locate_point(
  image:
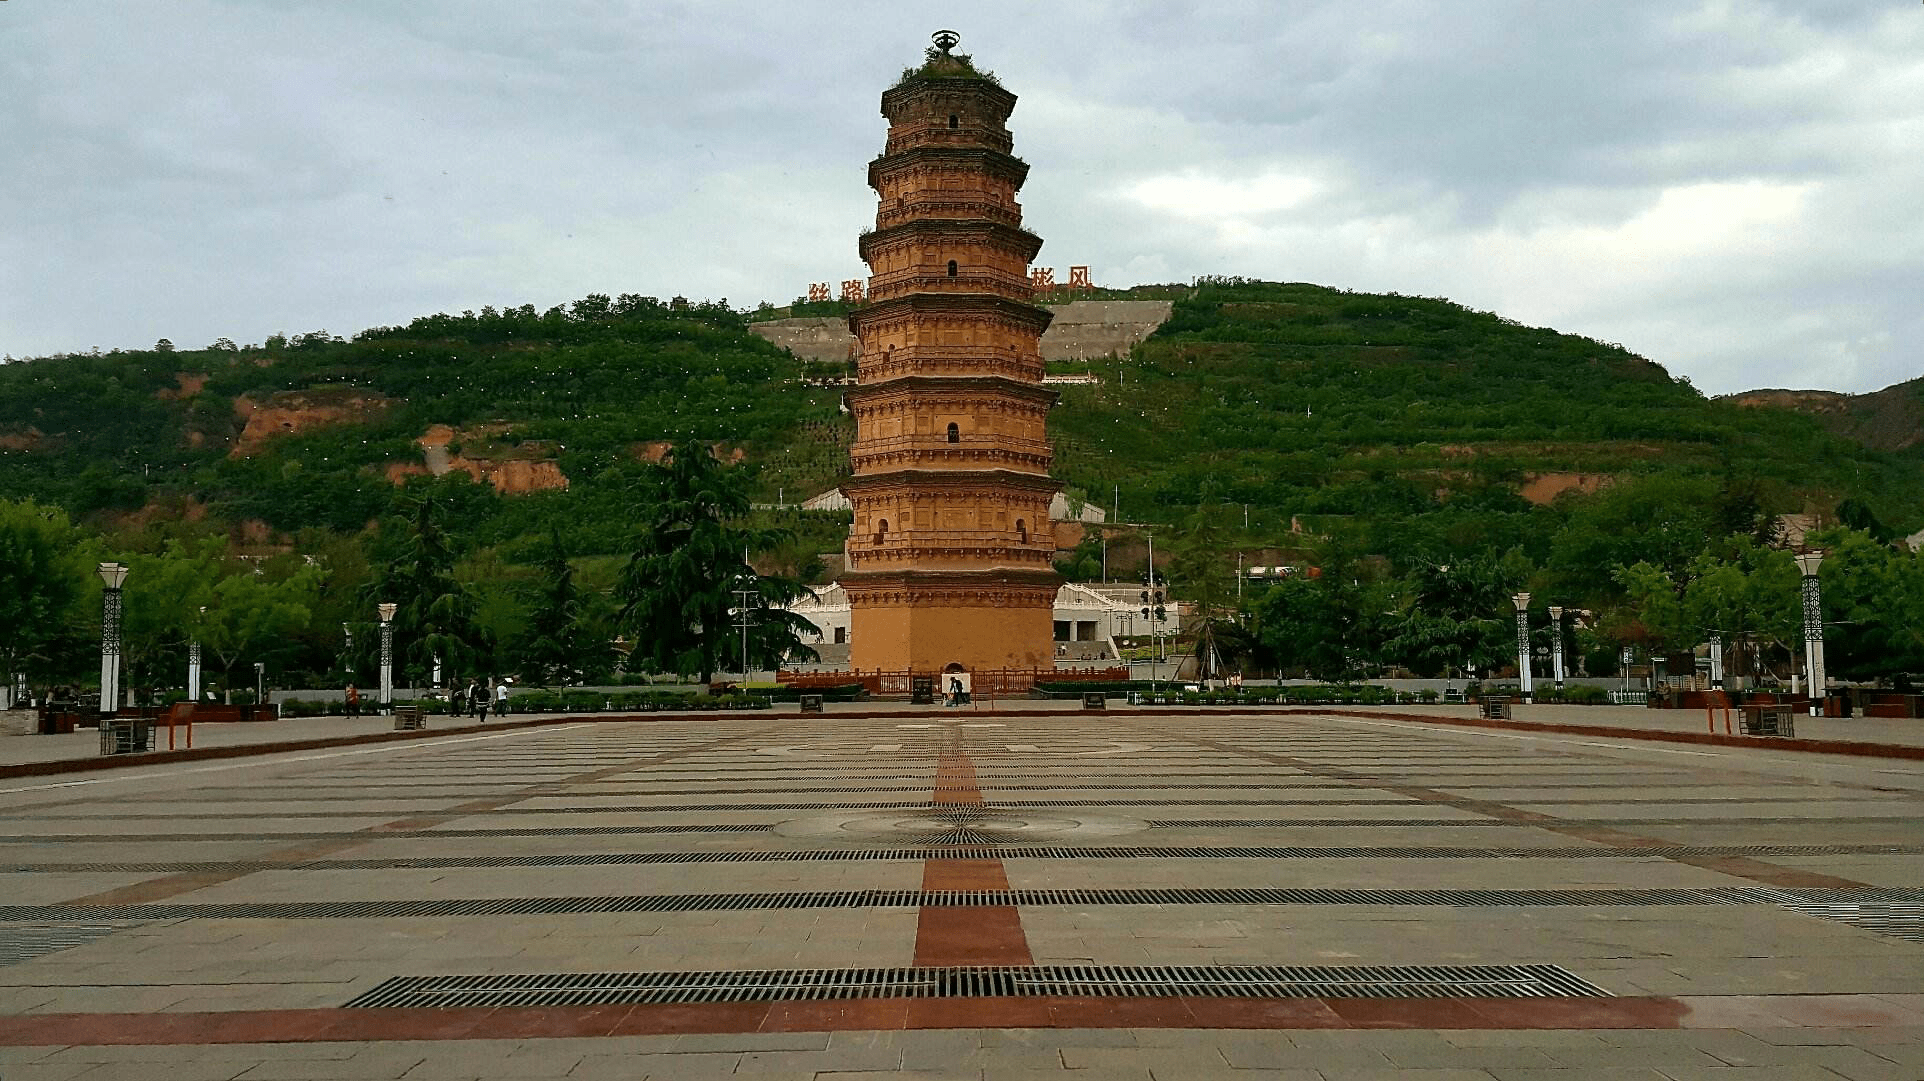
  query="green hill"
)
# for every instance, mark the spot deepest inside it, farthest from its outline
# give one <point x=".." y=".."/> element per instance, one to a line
<point x="1309" y="400"/>
<point x="1410" y="416"/>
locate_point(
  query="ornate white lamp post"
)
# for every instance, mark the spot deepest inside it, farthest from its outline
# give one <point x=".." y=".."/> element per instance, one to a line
<point x="1556" y="643"/>
<point x="387" y="611"/>
<point x="1522" y="602"/>
<point x="1717" y="659"/>
<point x="113" y="576"/>
<point x="1808" y="563"/>
<point x="193" y="660"/>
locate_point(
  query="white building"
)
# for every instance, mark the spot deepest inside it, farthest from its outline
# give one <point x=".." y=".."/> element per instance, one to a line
<point x="1059" y="509"/>
<point x="1082" y="615"/>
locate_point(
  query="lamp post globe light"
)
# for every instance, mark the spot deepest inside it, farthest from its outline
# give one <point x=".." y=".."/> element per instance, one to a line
<point x="1522" y="602"/>
<point x="387" y="611"/>
<point x="1807" y="563"/>
<point x="113" y="576"/>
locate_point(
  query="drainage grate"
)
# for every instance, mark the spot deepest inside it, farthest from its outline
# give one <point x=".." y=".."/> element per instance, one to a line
<point x="18" y="944"/>
<point x="969" y="842"/>
<point x="715" y="902"/>
<point x="1899" y="919"/>
<point x="778" y="985"/>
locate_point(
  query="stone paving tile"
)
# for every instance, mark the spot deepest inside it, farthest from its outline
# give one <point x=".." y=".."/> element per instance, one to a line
<point x="1462" y="775"/>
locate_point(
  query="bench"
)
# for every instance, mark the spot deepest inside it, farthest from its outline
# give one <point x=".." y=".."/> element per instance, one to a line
<point x="1770" y="719"/>
<point x="409" y="719"/>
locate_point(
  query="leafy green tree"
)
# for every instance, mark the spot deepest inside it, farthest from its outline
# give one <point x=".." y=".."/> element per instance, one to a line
<point x="678" y="591"/>
<point x="564" y="640"/>
<point x="1198" y="567"/>
<point x="1660" y="521"/>
<point x="1456" y="617"/>
<point x="46" y="582"/>
<point x="252" y="617"/>
<point x="414" y="557"/>
<point x="1735" y="587"/>
<point x="160" y="613"/>
<point x="1329" y="623"/>
<point x="1873" y="606"/>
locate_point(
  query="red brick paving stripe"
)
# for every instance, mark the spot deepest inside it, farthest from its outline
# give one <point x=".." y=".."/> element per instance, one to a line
<point x="894" y="1014"/>
<point x="946" y="936"/>
<point x="972" y="934"/>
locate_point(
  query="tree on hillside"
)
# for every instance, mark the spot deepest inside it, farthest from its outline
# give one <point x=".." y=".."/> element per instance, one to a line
<point x="678" y="591"/>
<point x="45" y="583"/>
<point x="564" y="641"/>
<point x="414" y="559"/>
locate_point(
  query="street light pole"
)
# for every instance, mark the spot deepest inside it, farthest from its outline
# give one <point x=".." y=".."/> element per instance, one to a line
<point x="193" y="661"/>
<point x="113" y="576"/>
<point x="1717" y="659"/>
<point x="741" y="621"/>
<point x="1522" y="602"/>
<point x="1808" y="563"/>
<point x="1556" y="643"/>
<point x="387" y="611"/>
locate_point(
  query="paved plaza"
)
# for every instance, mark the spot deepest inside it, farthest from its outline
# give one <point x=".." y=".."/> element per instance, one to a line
<point x="971" y="894"/>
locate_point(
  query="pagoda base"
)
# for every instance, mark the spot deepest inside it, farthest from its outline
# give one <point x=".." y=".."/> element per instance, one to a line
<point x="926" y="621"/>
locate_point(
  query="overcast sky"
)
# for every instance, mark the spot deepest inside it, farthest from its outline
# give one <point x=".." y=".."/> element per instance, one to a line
<point x="1733" y="188"/>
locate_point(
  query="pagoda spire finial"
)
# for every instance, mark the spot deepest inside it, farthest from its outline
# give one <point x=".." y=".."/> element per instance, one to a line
<point x="946" y="40"/>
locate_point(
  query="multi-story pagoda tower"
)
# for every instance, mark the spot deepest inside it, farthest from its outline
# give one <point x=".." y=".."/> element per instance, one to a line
<point x="949" y="554"/>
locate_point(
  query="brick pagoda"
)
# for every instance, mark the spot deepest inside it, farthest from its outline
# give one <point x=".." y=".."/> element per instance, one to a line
<point x="949" y="554"/>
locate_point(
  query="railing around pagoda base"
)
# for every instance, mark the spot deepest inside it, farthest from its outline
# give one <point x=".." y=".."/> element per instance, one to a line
<point x="983" y="681"/>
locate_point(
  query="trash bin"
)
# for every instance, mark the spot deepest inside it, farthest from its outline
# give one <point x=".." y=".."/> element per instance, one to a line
<point x="1094" y="700"/>
<point x="922" y="690"/>
<point x="126" y="735"/>
<point x="811" y="703"/>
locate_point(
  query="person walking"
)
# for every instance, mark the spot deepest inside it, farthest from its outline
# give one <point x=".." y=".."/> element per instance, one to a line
<point x="483" y="698"/>
<point x="353" y="701"/>
<point x="501" y="699"/>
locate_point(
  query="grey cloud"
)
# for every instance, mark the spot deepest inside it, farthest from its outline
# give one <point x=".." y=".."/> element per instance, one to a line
<point x="236" y="167"/>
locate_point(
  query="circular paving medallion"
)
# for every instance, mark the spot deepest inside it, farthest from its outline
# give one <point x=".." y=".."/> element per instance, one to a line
<point x="958" y="825"/>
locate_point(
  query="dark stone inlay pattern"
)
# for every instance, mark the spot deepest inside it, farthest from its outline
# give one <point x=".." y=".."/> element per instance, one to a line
<point x="713" y="902"/>
<point x="979" y="845"/>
